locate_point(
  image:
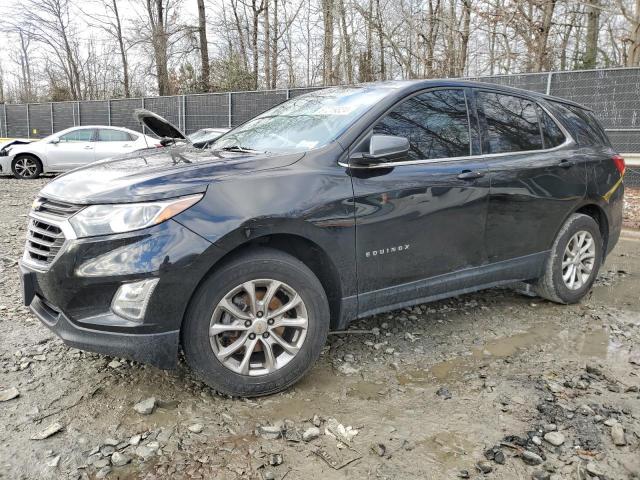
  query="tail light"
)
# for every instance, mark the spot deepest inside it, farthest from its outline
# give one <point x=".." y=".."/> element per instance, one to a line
<point x="618" y="161"/>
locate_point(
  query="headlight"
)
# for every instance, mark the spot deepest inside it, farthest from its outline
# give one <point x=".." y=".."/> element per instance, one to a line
<point x="118" y="218"/>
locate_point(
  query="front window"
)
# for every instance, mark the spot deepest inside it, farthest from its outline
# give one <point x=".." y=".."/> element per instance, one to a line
<point x="305" y="122"/>
<point x="83" y="135"/>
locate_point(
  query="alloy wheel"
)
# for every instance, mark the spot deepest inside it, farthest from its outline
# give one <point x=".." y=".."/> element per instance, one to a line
<point x="26" y="167"/>
<point x="258" y="327"/>
<point x="578" y="260"/>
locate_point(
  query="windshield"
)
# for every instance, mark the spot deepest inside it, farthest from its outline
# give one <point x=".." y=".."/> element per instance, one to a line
<point x="305" y="122"/>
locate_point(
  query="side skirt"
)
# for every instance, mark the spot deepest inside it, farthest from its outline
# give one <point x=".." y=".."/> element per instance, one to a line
<point x="451" y="284"/>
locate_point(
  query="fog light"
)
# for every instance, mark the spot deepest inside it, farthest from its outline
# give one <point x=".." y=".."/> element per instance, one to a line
<point x="131" y="299"/>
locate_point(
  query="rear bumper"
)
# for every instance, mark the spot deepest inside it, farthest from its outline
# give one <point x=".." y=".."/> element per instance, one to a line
<point x="157" y="349"/>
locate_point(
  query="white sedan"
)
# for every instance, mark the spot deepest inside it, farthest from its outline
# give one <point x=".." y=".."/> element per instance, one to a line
<point x="71" y="148"/>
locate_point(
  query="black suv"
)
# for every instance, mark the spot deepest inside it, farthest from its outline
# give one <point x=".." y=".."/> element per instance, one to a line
<point x="334" y="205"/>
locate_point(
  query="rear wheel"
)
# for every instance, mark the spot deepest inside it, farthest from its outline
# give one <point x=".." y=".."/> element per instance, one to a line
<point x="256" y="325"/>
<point x="26" y="167"/>
<point x="574" y="261"/>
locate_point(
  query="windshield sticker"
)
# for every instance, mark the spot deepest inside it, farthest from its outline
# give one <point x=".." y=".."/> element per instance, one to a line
<point x="307" y="144"/>
<point x="337" y="109"/>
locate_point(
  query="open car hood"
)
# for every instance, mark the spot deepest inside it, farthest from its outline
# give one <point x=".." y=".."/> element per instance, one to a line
<point x="158" y="125"/>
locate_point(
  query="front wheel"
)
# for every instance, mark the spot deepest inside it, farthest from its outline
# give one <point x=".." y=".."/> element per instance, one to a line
<point x="256" y="325"/>
<point x="574" y="261"/>
<point x="26" y="167"/>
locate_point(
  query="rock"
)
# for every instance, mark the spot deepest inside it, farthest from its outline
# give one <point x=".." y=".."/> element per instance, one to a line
<point x="145" y="407"/>
<point x="317" y="421"/>
<point x="148" y="450"/>
<point x="339" y="431"/>
<point x="107" y="450"/>
<point x="554" y="438"/>
<point x="196" y="428"/>
<point x="594" y="469"/>
<point x="444" y="393"/>
<point x="540" y="475"/>
<point x="268" y="475"/>
<point x="114" y="364"/>
<point x="536" y="440"/>
<point x="275" y="459"/>
<point x="531" y="458"/>
<point x="586" y="410"/>
<point x="135" y="440"/>
<point x="311" y="433"/>
<point x="119" y="459"/>
<point x="495" y="454"/>
<point x="47" y="432"/>
<point x="555" y="387"/>
<point x="103" y="472"/>
<point x="379" y="449"/>
<point x="617" y="435"/>
<point x="269" y="432"/>
<point x="550" y="427"/>
<point x="53" y="462"/>
<point x="610" y="422"/>
<point x="484" y="466"/>
<point x="110" y="441"/>
<point x="347" y="369"/>
<point x="101" y="463"/>
<point x="463" y="474"/>
<point x="9" y="394"/>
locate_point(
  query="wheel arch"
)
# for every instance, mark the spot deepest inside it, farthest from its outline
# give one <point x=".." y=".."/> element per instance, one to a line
<point x="28" y="153"/>
<point x="299" y="247"/>
<point x="596" y="212"/>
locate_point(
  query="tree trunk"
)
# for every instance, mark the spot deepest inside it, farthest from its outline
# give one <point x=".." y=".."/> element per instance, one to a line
<point x="267" y="45"/>
<point x="123" y="51"/>
<point x="327" y="50"/>
<point x="593" y="22"/>
<point x="204" y="46"/>
<point x="348" y="59"/>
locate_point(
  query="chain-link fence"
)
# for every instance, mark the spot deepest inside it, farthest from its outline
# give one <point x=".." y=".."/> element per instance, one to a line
<point x="613" y="94"/>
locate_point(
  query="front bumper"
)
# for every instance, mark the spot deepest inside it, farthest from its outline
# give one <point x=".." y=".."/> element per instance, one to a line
<point x="5" y="164"/>
<point x="73" y="295"/>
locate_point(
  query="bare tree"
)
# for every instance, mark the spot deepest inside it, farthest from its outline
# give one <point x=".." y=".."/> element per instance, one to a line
<point x="204" y="46"/>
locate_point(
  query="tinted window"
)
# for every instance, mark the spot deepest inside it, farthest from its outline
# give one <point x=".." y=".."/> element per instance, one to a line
<point x="108" y="135"/>
<point x="84" y="135"/>
<point x="512" y="123"/>
<point x="583" y="125"/>
<point x="551" y="133"/>
<point x="436" y="124"/>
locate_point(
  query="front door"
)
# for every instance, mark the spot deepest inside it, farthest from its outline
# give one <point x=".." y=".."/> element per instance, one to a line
<point x="74" y="149"/>
<point x="420" y="220"/>
<point x="537" y="178"/>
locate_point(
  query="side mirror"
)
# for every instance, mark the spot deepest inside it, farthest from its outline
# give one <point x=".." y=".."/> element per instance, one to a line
<point x="54" y="140"/>
<point x="381" y="149"/>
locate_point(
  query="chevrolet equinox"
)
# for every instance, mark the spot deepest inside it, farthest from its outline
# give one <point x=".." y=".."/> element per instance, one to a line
<point x="335" y="205"/>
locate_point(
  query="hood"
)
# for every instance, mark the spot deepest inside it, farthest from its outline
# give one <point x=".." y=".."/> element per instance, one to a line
<point x="6" y="147"/>
<point x="158" y="125"/>
<point x="152" y="174"/>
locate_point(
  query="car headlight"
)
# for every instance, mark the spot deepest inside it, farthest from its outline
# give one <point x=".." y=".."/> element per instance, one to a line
<point x="119" y="218"/>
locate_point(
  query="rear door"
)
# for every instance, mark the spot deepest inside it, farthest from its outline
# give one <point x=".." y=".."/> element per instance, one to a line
<point x="538" y="177"/>
<point x="111" y="142"/>
<point x="422" y="217"/>
<point x="74" y="149"/>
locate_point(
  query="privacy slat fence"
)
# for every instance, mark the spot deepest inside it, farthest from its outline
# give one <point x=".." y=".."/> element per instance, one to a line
<point x="613" y="94"/>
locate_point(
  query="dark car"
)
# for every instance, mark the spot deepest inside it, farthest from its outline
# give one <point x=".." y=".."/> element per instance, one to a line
<point x="335" y="205"/>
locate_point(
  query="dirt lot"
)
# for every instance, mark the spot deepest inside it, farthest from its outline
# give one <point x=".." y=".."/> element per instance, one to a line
<point x="493" y="382"/>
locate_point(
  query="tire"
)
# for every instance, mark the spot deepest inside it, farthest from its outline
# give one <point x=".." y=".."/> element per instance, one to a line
<point x="226" y="375"/>
<point x="26" y="167"/>
<point x="552" y="285"/>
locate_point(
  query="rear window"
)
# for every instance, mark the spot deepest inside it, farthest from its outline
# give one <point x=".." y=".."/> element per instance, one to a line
<point x="583" y="125"/>
<point x="512" y="123"/>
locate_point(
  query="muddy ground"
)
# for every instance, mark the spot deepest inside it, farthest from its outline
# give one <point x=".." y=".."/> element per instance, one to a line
<point x="484" y="382"/>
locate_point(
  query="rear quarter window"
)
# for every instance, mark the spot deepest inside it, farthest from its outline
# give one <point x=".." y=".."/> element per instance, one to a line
<point x="583" y="125"/>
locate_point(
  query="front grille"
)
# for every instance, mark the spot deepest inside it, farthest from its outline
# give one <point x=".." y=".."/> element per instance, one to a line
<point x="44" y="241"/>
<point x="55" y="207"/>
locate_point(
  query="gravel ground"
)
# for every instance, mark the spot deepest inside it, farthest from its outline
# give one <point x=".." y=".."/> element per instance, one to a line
<point x="632" y="208"/>
<point x="492" y="385"/>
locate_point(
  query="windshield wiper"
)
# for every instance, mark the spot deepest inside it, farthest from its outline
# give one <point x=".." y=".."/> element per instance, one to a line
<point x="238" y="148"/>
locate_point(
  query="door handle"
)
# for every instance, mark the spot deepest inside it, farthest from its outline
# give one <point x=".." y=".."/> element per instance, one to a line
<point x="566" y="163"/>
<point x="88" y="147"/>
<point x="126" y="146"/>
<point x="469" y="175"/>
